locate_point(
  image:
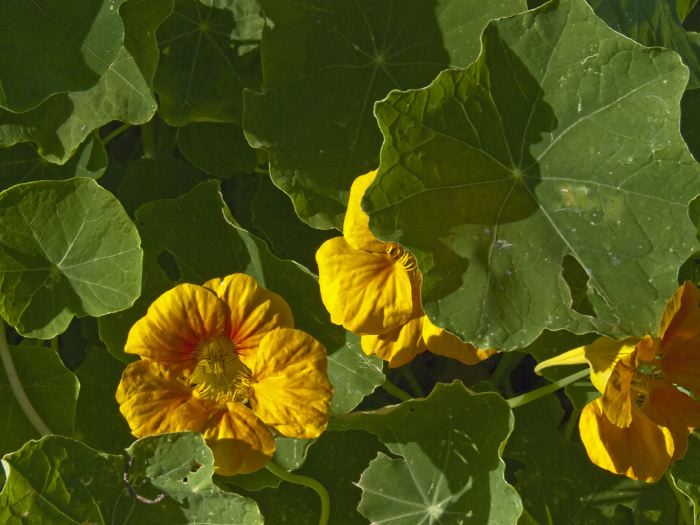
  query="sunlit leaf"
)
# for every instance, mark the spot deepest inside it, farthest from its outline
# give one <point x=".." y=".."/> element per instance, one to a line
<point x="686" y="473"/>
<point x="326" y="62"/>
<point x="491" y="187"/>
<point x="61" y="481"/>
<point x="447" y="465"/>
<point x="123" y="93"/>
<point x="55" y="47"/>
<point x="50" y="388"/>
<point x="209" y="53"/>
<point x="655" y="23"/>
<point x="66" y="248"/>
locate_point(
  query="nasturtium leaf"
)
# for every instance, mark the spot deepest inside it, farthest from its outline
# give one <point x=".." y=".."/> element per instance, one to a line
<point x="50" y="388"/>
<point x="686" y="473"/>
<point x="492" y="186"/>
<point x="559" y="484"/>
<point x="654" y="23"/>
<point x="66" y="248"/>
<point x="336" y="460"/>
<point x="690" y="120"/>
<point x="209" y="54"/>
<point x="55" y="47"/>
<point x="99" y="375"/>
<point x="61" y="481"/>
<point x="123" y="93"/>
<point x="448" y="465"/>
<point x="219" y="149"/>
<point x="21" y="163"/>
<point x="194" y="238"/>
<point x="146" y="180"/>
<point x="325" y="62"/>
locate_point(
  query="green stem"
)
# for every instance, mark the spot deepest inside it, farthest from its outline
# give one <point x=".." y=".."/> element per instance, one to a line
<point x="17" y="388"/>
<point x="149" y="140"/>
<point x="501" y="376"/>
<point x="685" y="514"/>
<point x="306" y="482"/>
<point x="571" y="423"/>
<point x="115" y="133"/>
<point x="412" y="382"/>
<point x="397" y="392"/>
<point x="524" y="399"/>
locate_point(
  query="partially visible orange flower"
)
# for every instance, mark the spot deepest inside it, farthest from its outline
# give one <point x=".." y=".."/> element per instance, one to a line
<point x="224" y="359"/>
<point x="372" y="288"/>
<point x="640" y="424"/>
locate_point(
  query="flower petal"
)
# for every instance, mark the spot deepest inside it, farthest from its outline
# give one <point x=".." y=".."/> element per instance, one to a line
<point x="443" y="343"/>
<point x="682" y="304"/>
<point x="642" y="451"/>
<point x="669" y="407"/>
<point x="367" y="293"/>
<point x="153" y="401"/>
<point x="241" y="443"/>
<point x="617" y="399"/>
<point x="603" y="353"/>
<point x="356" y="225"/>
<point x="175" y="323"/>
<point x="289" y="389"/>
<point x="254" y="311"/>
<point x="398" y="346"/>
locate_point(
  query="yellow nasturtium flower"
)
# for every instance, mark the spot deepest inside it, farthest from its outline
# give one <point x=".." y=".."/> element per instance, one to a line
<point x="224" y="359"/>
<point x="640" y="424"/>
<point x="372" y="288"/>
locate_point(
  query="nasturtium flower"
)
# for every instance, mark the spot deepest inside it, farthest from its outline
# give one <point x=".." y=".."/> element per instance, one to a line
<point x="224" y="359"/>
<point x="372" y="288"/>
<point x="640" y="423"/>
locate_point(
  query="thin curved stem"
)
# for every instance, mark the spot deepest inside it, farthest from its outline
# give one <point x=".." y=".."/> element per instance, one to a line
<point x="115" y="133"/>
<point x="526" y="398"/>
<point x="306" y="482"/>
<point x="17" y="388"/>
<point x="685" y="514"/>
<point x="396" y="391"/>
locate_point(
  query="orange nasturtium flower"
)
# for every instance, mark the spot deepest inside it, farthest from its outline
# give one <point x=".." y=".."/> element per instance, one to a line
<point x="224" y="360"/>
<point x="640" y="424"/>
<point x="372" y="288"/>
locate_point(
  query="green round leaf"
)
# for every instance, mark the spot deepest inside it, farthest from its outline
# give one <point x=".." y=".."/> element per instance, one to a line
<point x="492" y="187"/>
<point x="325" y="63"/>
<point x="55" y="47"/>
<point x="66" y="248"/>
<point x="218" y="149"/>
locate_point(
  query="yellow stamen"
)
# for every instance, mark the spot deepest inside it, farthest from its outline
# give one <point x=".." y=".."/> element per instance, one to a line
<point x="402" y="256"/>
<point x="219" y="374"/>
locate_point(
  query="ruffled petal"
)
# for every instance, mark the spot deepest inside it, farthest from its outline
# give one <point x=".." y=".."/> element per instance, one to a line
<point x="175" y="323"/>
<point x="153" y="401"/>
<point x="603" y="353"/>
<point x="254" y="311"/>
<point x="673" y="409"/>
<point x="356" y="225"/>
<point x="241" y="443"/>
<point x="289" y="389"/>
<point x="398" y="346"/>
<point x="680" y="360"/>
<point x="679" y="307"/>
<point x="617" y="399"/>
<point x="443" y="343"/>
<point x="642" y="451"/>
<point x="367" y="293"/>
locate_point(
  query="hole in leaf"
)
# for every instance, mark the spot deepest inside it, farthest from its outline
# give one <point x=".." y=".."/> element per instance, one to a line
<point x="167" y="261"/>
<point x="195" y="466"/>
<point x="577" y="280"/>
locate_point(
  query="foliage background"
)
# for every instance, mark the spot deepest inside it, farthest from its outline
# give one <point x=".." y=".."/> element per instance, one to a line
<point x="540" y="165"/>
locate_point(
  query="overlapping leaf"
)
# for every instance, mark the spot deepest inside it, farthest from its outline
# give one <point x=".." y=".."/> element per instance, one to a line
<point x="66" y="248"/>
<point x="55" y="47"/>
<point x="61" y="481"/>
<point x="122" y="93"/>
<point x="219" y="149"/>
<point x="448" y="466"/>
<point x="561" y="140"/>
<point x="686" y="473"/>
<point x="326" y="62"/>
<point x="654" y="23"/>
<point x="209" y="54"/>
<point x="50" y="388"/>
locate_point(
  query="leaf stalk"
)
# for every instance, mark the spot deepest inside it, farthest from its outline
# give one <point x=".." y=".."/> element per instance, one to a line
<point x="306" y="482"/>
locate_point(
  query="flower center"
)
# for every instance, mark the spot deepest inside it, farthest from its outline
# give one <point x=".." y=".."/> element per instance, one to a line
<point x="402" y="256"/>
<point x="219" y="374"/>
